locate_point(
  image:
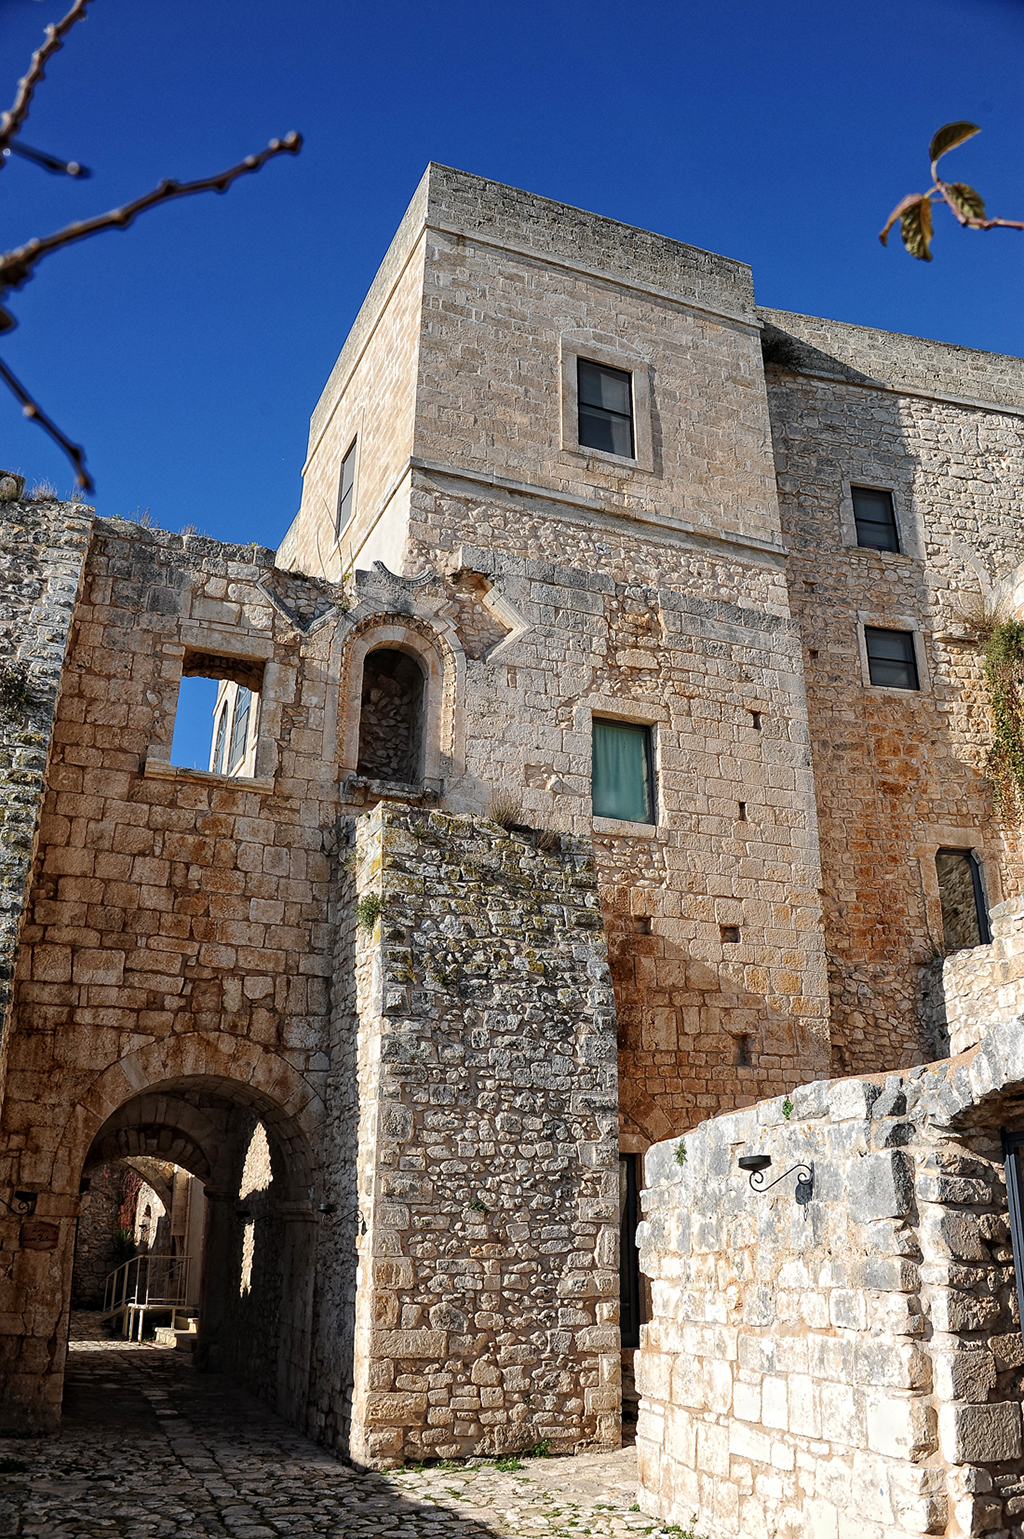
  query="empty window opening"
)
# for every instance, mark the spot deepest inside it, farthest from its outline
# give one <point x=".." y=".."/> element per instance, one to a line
<point x="390" y="721"/>
<point x="730" y="934"/>
<point x="741" y="811"/>
<point x="964" y="910"/>
<point x="743" y="1060"/>
<point x="642" y="925"/>
<point x="631" y="1298"/>
<point x="812" y="652"/>
<point x="755" y="720"/>
<point x="622" y="779"/>
<point x="875" y="518"/>
<point x="217" y="716"/>
<point x="892" y="660"/>
<point x="346" y="490"/>
<point x="606" y="409"/>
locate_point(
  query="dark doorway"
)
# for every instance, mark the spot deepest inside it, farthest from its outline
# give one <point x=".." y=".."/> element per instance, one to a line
<point x="391" y="717"/>
<point x="631" y="1312"/>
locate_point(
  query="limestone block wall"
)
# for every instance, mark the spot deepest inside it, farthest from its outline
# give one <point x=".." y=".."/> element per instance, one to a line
<point x="697" y="642"/>
<point x="849" y="1364"/>
<point x="487" y="1307"/>
<point x="986" y="983"/>
<point x="898" y="774"/>
<point x="42" y="558"/>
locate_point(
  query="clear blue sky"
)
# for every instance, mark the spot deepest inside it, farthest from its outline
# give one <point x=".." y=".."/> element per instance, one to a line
<point x="187" y="353"/>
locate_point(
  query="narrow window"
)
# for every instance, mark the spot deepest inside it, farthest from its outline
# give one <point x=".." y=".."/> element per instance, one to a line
<point x="240" y="729"/>
<point x="964" y="911"/>
<point x="631" y="1312"/>
<point x="606" y="409"/>
<point x="892" y="662"/>
<point x="390" y="720"/>
<point x="875" y="518"/>
<point x="346" y="483"/>
<point x="622" y="783"/>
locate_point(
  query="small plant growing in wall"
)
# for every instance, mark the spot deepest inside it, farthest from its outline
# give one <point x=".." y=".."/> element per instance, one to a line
<point x="681" y="1153"/>
<point x="14" y="691"/>
<point x="368" y="910"/>
<point x="1004" y="681"/>
<point x="787" y="1108"/>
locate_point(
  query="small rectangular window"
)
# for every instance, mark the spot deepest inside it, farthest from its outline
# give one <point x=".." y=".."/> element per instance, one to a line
<point x="606" y="409"/>
<point x="623" y="785"/>
<point x="346" y="485"/>
<point x="215" y="723"/>
<point x="875" y="518"/>
<point x="892" y="661"/>
<point x="964" y="910"/>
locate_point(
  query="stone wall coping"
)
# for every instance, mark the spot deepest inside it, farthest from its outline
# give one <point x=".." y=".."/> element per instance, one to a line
<point x="159" y="769"/>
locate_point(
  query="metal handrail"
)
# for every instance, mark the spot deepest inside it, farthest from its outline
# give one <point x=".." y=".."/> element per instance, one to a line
<point x="146" y="1282"/>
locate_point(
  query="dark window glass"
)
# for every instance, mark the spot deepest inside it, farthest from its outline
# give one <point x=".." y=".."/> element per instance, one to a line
<point x="606" y="409"/>
<point x="892" y="662"/>
<point x="345" y="485"/>
<point x="240" y="729"/>
<point x="875" y="518"/>
<point x="631" y="1299"/>
<point x="964" y="912"/>
<point x="622" y="784"/>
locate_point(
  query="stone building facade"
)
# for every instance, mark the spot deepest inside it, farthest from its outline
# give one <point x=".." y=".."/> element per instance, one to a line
<point x="459" y="977"/>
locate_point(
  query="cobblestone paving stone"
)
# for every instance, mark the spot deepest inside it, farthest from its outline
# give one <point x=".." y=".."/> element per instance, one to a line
<point x="152" y="1450"/>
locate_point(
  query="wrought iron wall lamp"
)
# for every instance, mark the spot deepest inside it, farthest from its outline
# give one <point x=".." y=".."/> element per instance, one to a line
<point x="757" y="1164"/>
<point x="24" y="1203"/>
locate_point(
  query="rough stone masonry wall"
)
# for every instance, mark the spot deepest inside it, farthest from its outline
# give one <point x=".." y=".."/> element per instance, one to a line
<point x="986" y="983"/>
<point x="898" y="774"/>
<point x="42" y="557"/>
<point x="848" y="1367"/>
<point x="487" y="1312"/>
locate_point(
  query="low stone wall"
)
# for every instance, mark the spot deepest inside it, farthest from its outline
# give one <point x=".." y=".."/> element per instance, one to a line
<point x="986" y="983"/>
<point x="487" y="1302"/>
<point x="849" y="1363"/>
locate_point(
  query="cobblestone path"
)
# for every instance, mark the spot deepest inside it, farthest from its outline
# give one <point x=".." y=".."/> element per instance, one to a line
<point x="151" y="1448"/>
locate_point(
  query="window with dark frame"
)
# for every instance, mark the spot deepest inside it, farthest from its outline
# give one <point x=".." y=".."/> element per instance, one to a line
<point x="962" y="894"/>
<point x="622" y="781"/>
<point x="346" y="483"/>
<point x="1013" y="1143"/>
<point x="605" y="409"/>
<point x="875" y="518"/>
<point x="892" y="659"/>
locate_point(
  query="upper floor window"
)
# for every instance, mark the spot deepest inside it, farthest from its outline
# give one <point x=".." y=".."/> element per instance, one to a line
<point x="892" y="659"/>
<point x="623" y="772"/>
<point x="964" y="910"/>
<point x="216" y="721"/>
<point x="605" y="408"/>
<point x="346" y="487"/>
<point x="875" y="518"/>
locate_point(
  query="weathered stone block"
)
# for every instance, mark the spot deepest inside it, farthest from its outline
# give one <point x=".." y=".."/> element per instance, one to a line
<point x="881" y="1186"/>
<point x="980" y="1434"/>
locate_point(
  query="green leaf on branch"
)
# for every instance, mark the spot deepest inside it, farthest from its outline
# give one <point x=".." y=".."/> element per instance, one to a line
<point x="969" y="203"/>
<point x="948" y="137"/>
<point x="916" y="229"/>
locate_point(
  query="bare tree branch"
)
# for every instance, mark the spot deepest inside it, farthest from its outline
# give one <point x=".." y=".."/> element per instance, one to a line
<point x="16" y="266"/>
<point x="11" y="122"/>
<point x="74" y="452"/>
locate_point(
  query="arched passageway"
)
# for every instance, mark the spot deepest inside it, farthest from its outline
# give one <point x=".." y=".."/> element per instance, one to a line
<point x="256" y="1253"/>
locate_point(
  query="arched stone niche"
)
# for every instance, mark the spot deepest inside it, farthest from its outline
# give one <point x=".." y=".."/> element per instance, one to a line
<point x="397" y="704"/>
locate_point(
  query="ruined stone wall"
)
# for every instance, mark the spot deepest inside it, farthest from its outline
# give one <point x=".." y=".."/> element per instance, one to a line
<point x="253" y="1320"/>
<point x="95" y="1253"/>
<point x="898" y="774"/>
<point x="487" y="1318"/>
<point x="985" y="983"/>
<point x="846" y="1362"/>
<point x="42" y="556"/>
<point x="177" y="923"/>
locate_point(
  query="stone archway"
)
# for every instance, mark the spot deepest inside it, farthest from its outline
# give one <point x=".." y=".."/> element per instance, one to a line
<point x="202" y="1096"/>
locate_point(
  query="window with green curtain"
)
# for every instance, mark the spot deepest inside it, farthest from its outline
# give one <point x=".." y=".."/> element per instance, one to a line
<point x="621" y="782"/>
